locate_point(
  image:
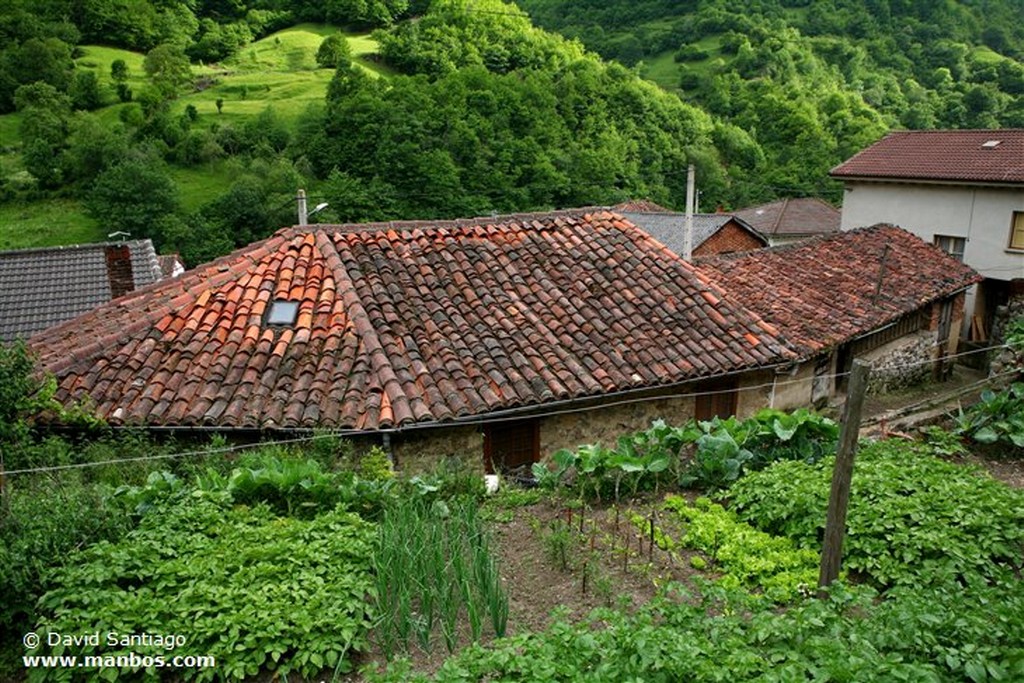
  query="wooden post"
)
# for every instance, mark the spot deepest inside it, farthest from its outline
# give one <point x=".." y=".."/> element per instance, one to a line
<point x="835" y="524"/>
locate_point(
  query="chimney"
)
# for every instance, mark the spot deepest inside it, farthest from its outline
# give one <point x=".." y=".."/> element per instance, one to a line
<point x="119" y="269"/>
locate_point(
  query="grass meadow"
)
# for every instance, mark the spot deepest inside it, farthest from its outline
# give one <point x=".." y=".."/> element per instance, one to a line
<point x="278" y="71"/>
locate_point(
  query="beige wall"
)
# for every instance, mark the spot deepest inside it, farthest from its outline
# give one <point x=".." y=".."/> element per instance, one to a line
<point x="794" y="391"/>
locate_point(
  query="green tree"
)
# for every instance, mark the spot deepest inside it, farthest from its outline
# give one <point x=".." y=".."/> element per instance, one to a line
<point x="44" y="131"/>
<point x="134" y="195"/>
<point x="334" y="52"/>
<point x="168" y="69"/>
<point x="85" y="91"/>
<point x="119" y="71"/>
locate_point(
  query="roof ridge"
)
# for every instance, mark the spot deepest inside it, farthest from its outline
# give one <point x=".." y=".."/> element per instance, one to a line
<point x="778" y="216"/>
<point x="402" y="225"/>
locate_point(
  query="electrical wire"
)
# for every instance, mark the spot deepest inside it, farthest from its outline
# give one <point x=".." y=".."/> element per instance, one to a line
<point x="485" y="419"/>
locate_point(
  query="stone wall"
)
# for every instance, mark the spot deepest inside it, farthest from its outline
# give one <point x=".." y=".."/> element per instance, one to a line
<point x="421" y="450"/>
<point x="1005" y="360"/>
<point x="901" y="363"/>
<point x="606" y="424"/>
<point x="794" y="390"/>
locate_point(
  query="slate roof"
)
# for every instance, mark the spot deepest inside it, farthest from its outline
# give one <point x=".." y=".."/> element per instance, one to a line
<point x="821" y="292"/>
<point x="798" y="216"/>
<point x="405" y="324"/>
<point x="40" y="288"/>
<point x="669" y="227"/>
<point x="941" y="155"/>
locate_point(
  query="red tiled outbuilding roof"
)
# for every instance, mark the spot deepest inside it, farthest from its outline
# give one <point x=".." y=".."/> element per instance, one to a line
<point x="974" y="156"/>
<point x="821" y="292"/>
<point x="407" y="323"/>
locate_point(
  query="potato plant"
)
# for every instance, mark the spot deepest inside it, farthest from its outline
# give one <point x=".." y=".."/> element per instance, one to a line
<point x="253" y="589"/>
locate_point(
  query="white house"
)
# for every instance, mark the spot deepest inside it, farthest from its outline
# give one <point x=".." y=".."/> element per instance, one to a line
<point x="962" y="190"/>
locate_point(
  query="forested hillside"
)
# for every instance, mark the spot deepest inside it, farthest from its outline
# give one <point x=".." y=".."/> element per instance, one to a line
<point x="194" y="122"/>
<point x="815" y="81"/>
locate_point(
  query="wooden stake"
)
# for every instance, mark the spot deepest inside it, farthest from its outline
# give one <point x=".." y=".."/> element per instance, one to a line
<point x="650" y="554"/>
<point x="835" y="523"/>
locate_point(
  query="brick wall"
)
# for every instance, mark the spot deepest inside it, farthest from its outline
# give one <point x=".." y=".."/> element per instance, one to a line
<point x="730" y="238"/>
<point x="119" y="269"/>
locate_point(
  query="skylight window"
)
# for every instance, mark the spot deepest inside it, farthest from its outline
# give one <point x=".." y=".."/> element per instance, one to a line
<point x="991" y="144"/>
<point x="283" y="312"/>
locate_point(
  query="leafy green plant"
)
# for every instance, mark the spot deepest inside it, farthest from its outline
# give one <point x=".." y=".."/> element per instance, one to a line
<point x="253" y="589"/>
<point x="718" y="461"/>
<point x="559" y="540"/>
<point x="728" y="448"/>
<point x="48" y="518"/>
<point x="998" y="418"/>
<point x="748" y="558"/>
<point x="913" y="518"/>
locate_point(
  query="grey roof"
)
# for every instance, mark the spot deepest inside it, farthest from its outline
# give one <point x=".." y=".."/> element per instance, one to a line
<point x="797" y="216"/>
<point x="40" y="288"/>
<point x="668" y="228"/>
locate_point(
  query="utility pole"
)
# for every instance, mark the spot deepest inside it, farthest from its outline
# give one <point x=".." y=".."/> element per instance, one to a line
<point x="688" y="234"/>
<point x="835" y="523"/>
<point x="300" y="198"/>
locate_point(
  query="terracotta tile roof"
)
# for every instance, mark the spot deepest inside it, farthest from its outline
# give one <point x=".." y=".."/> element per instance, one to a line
<point x="979" y="156"/>
<point x="669" y="227"/>
<point x="798" y="216"/>
<point x="407" y="323"/>
<point x="40" y="288"/>
<point x="821" y="292"/>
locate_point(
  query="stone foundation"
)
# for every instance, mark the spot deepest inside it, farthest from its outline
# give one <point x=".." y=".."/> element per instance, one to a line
<point x="1005" y="360"/>
<point x="905" y="362"/>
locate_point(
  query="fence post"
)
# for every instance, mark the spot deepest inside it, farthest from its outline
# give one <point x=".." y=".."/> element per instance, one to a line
<point x="835" y="523"/>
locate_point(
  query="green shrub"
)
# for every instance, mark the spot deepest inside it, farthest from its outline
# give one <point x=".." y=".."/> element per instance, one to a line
<point x="746" y="557"/>
<point x="48" y="518"/>
<point x="913" y="519"/>
<point x="255" y="590"/>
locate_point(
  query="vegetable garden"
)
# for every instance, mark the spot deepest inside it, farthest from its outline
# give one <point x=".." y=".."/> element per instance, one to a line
<point x="680" y="553"/>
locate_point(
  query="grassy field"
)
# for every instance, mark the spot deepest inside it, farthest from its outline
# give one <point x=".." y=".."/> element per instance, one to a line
<point x="278" y="71"/>
<point x="665" y="71"/>
<point x="47" y="223"/>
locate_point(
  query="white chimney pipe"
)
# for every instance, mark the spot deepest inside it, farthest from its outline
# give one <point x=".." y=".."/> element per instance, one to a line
<point x="301" y="200"/>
